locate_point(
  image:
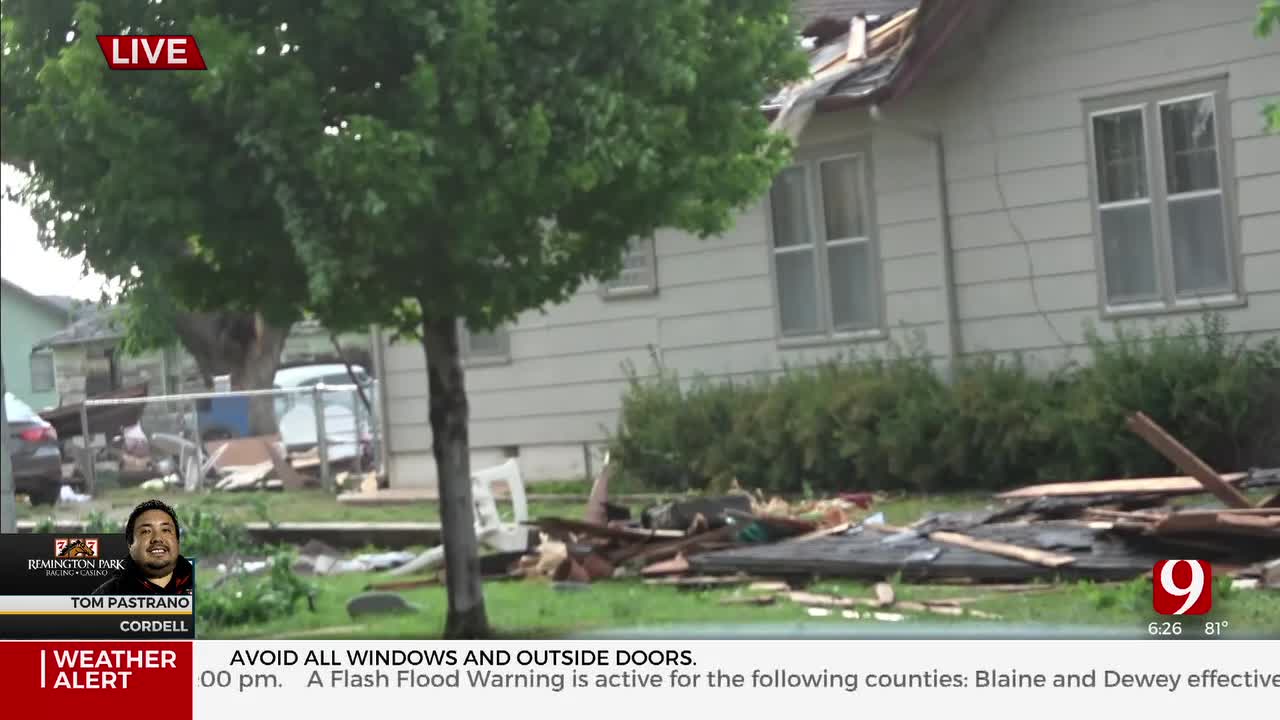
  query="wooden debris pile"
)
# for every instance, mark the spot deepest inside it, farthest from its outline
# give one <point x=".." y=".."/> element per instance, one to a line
<point x="609" y="543"/>
<point x="1102" y="530"/>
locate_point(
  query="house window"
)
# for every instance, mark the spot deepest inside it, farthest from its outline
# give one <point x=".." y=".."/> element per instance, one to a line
<point x="824" y="256"/>
<point x="1163" y="212"/>
<point x="42" y="377"/>
<point x="484" y="348"/>
<point x="639" y="274"/>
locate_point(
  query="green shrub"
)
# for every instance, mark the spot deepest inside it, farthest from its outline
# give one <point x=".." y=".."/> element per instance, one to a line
<point x="206" y="534"/>
<point x="1219" y="397"/>
<point x="892" y="422"/>
<point x="245" y="599"/>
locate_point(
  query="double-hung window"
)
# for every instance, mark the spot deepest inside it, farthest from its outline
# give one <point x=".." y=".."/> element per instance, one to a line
<point x="484" y="348"/>
<point x="639" y="275"/>
<point x="825" y="263"/>
<point x="1161" y="188"/>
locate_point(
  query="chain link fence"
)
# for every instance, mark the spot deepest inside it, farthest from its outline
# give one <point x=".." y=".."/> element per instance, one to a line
<point x="191" y="435"/>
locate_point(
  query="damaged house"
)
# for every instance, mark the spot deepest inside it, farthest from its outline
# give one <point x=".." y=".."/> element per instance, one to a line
<point x="981" y="174"/>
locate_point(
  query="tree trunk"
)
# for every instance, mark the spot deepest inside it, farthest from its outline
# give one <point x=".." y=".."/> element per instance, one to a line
<point x="242" y="345"/>
<point x="466" y="617"/>
<point x="257" y="371"/>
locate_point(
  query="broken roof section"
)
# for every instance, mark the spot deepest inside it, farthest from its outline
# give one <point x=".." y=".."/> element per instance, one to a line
<point x="864" y="51"/>
<point x="852" y="55"/>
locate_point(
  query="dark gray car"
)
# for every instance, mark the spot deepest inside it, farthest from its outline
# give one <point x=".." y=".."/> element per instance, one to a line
<point x="37" y="458"/>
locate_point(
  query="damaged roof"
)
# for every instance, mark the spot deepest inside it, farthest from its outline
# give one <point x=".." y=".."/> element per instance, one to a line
<point x="852" y="55"/>
<point x="866" y="50"/>
<point x="96" y="324"/>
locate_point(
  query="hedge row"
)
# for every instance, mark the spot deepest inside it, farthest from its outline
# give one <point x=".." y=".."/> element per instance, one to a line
<point x="892" y="422"/>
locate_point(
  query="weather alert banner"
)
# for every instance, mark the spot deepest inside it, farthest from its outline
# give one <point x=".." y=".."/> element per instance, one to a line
<point x="101" y="680"/>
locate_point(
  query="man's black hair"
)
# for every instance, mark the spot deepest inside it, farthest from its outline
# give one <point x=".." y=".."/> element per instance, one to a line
<point x="143" y="507"/>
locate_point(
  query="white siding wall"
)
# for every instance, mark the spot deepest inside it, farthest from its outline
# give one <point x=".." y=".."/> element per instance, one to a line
<point x="1026" y="272"/>
<point x="1024" y="259"/>
<point x="713" y="315"/>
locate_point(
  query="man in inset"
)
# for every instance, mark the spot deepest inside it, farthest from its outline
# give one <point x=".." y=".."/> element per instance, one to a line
<point x="153" y="565"/>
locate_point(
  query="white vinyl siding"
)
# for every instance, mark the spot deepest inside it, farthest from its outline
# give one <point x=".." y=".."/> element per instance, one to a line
<point x="825" y="264"/>
<point x="1163" y="213"/>
<point x="639" y="275"/>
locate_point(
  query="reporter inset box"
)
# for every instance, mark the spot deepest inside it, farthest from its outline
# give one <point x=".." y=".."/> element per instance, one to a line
<point x="49" y="580"/>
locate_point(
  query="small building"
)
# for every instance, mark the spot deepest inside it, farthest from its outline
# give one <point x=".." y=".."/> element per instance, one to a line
<point x="25" y="320"/>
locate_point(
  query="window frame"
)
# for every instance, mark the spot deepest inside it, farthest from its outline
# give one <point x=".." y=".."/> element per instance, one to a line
<point x="615" y="290"/>
<point x="471" y="359"/>
<point x="810" y="161"/>
<point x="1151" y="101"/>
<point x="43" y="355"/>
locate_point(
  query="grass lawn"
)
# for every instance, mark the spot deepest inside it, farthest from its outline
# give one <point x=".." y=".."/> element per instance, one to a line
<point x="317" y="505"/>
<point x="537" y="609"/>
<point x="294" y="505"/>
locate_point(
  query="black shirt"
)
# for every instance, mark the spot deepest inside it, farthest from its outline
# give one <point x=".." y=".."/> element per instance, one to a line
<point x="129" y="580"/>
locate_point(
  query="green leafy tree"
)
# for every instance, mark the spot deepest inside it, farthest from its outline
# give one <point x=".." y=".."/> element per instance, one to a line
<point x="132" y="170"/>
<point x="432" y="164"/>
<point x="1268" y="19"/>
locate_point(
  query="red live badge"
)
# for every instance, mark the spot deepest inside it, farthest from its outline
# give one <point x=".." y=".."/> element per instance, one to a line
<point x="151" y="52"/>
<point x="1182" y="587"/>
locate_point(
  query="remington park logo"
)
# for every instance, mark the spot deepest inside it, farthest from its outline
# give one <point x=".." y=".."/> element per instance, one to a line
<point x="79" y="548"/>
<point x="75" y="556"/>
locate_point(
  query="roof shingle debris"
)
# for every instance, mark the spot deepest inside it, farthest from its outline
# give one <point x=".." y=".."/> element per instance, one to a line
<point x="855" y="49"/>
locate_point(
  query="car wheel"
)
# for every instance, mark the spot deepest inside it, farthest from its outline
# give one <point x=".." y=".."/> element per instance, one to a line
<point x="46" y="494"/>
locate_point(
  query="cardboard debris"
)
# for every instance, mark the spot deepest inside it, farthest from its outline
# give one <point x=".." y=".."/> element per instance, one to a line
<point x="245" y="478"/>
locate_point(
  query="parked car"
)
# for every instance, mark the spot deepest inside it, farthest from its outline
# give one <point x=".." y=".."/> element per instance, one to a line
<point x="37" y="456"/>
<point x="224" y="418"/>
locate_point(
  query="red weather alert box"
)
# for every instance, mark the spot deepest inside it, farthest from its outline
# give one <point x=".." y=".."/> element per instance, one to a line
<point x="102" y="680"/>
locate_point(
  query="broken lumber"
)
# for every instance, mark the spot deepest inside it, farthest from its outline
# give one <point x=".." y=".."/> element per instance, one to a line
<point x="821" y="532"/>
<point x="658" y="551"/>
<point x="1187" y="461"/>
<point x="884" y="594"/>
<point x="673" y="566"/>
<point x="1177" y="485"/>
<point x="597" y="512"/>
<point x="991" y="547"/>
<point x="553" y="524"/>
<point x="1017" y="552"/>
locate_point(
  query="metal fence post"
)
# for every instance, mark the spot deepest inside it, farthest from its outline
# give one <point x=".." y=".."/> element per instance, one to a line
<point x="322" y="439"/>
<point x="375" y="421"/>
<point x="91" y="463"/>
<point x="359" y="439"/>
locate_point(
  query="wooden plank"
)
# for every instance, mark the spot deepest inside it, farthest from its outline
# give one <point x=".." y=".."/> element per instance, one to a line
<point x="822" y="532"/>
<point x="1017" y="552"/>
<point x="674" y="566"/>
<point x="612" y="533"/>
<point x="1177" y="485"/>
<point x="596" y="514"/>
<point x="668" y="549"/>
<point x="1187" y="461"/>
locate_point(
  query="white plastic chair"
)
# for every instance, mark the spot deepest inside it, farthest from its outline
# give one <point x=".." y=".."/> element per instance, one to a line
<point x="491" y="530"/>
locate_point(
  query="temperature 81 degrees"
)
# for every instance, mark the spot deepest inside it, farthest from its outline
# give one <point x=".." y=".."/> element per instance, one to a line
<point x="1215" y="628"/>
